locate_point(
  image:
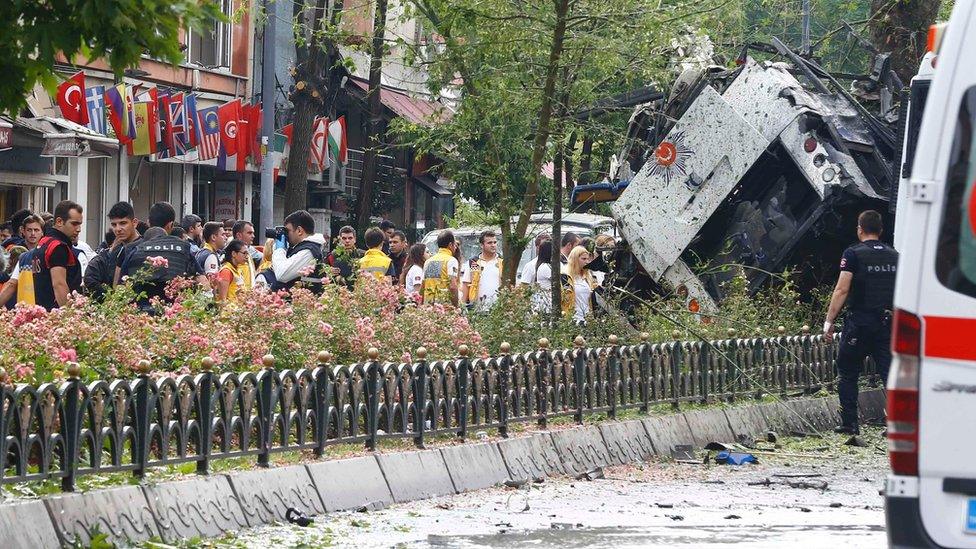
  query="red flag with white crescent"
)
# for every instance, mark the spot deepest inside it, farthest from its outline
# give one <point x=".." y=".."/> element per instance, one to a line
<point x="71" y="99"/>
<point x="229" y="115"/>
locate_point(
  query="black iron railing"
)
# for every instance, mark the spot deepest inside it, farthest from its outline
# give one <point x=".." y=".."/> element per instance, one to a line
<point x="63" y="431"/>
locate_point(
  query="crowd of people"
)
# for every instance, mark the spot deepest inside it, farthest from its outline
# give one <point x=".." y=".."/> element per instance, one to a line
<point x="44" y="260"/>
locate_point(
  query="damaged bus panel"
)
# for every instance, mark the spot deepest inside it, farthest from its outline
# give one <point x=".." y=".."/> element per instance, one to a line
<point x="752" y="172"/>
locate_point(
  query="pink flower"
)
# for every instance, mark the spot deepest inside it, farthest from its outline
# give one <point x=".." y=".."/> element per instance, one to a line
<point x="325" y="328"/>
<point x="307" y="270"/>
<point x="68" y="355"/>
<point x="157" y="261"/>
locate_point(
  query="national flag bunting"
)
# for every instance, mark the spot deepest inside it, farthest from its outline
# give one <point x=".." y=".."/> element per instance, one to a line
<point x="192" y="122"/>
<point x="318" y="158"/>
<point x="209" y="125"/>
<point x="254" y="132"/>
<point x="337" y="141"/>
<point x="118" y="112"/>
<point x="129" y="102"/>
<point x="71" y="99"/>
<point x="164" y="139"/>
<point x="95" y="103"/>
<point x="176" y="124"/>
<point x="145" y="125"/>
<point x="228" y="115"/>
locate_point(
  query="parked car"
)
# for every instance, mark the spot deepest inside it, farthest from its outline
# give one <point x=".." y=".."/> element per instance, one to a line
<point x="585" y="225"/>
<point x="930" y="498"/>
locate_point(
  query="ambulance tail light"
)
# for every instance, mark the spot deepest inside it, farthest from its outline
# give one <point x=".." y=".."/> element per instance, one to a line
<point x="903" y="394"/>
<point x="934" y="42"/>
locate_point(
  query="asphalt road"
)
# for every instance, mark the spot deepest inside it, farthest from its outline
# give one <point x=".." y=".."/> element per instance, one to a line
<point x="831" y="500"/>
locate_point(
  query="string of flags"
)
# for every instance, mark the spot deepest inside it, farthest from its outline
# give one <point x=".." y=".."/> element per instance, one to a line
<point x="169" y="124"/>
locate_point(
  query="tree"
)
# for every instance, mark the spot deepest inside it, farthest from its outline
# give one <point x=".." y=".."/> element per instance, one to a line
<point x="522" y="69"/>
<point x="120" y="31"/>
<point x="317" y="73"/>
<point x="900" y="27"/>
<point x="374" y="120"/>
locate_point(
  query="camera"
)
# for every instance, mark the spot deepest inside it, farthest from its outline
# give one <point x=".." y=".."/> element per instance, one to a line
<point x="274" y="232"/>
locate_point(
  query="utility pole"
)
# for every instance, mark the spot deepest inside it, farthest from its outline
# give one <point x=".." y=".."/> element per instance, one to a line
<point x="805" y="47"/>
<point x="268" y="117"/>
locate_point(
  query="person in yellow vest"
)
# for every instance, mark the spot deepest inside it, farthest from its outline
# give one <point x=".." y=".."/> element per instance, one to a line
<point x="441" y="272"/>
<point x="244" y="231"/>
<point x="579" y="285"/>
<point x="374" y="261"/>
<point x="233" y="274"/>
<point x="482" y="276"/>
<point x="21" y="283"/>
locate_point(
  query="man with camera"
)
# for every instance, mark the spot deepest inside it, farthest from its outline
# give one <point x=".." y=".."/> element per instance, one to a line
<point x="298" y="250"/>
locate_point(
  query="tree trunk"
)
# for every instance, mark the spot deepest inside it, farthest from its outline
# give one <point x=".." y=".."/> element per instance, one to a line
<point x="542" y="130"/>
<point x="556" y="288"/>
<point x="375" y="119"/>
<point x="314" y="79"/>
<point x="900" y="27"/>
<point x="296" y="183"/>
<point x="568" y="168"/>
<point x="586" y="157"/>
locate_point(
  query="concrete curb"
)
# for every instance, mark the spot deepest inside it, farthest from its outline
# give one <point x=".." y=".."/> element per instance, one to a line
<point x="531" y="457"/>
<point x="196" y="507"/>
<point x="208" y="506"/>
<point x="475" y="466"/>
<point x="416" y="475"/>
<point x="345" y="484"/>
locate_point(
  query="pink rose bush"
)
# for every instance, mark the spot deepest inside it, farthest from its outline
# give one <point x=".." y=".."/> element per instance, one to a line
<point x="109" y="338"/>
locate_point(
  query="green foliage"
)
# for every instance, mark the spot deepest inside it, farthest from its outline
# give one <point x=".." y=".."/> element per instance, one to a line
<point x="512" y="319"/>
<point x="470" y="214"/>
<point x="749" y="21"/>
<point x="498" y="59"/>
<point x="778" y="304"/>
<point x="120" y="31"/>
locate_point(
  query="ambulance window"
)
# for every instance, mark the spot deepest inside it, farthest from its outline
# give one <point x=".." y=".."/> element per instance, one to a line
<point x="955" y="261"/>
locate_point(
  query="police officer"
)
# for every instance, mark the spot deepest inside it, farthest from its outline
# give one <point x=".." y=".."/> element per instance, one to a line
<point x="157" y="242"/>
<point x="867" y="285"/>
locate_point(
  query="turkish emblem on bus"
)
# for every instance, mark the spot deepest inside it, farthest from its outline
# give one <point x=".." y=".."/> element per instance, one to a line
<point x="671" y="157"/>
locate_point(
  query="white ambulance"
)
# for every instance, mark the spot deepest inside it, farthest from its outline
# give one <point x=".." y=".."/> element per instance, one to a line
<point x="931" y="492"/>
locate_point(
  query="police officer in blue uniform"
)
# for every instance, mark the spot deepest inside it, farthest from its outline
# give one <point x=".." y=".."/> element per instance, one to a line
<point x="867" y="285"/>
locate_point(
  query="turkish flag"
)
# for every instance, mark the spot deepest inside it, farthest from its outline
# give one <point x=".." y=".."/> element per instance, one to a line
<point x="71" y="99"/>
<point x="229" y="116"/>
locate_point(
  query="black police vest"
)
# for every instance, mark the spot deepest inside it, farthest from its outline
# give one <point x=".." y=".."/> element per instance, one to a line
<point x="316" y="250"/>
<point x="174" y="249"/>
<point x="873" y="286"/>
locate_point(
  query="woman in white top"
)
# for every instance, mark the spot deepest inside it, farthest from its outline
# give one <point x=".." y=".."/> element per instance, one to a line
<point x="412" y="275"/>
<point x="578" y="285"/>
<point x="542" y="279"/>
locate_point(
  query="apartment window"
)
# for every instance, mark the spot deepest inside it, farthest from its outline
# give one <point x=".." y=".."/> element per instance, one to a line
<point x="211" y="47"/>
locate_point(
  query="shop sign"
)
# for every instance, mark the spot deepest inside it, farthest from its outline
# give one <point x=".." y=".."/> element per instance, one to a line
<point x="6" y="137"/>
<point x="225" y="200"/>
<point x="70" y="147"/>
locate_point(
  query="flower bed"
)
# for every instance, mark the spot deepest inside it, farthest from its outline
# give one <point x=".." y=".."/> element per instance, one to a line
<point x="109" y="338"/>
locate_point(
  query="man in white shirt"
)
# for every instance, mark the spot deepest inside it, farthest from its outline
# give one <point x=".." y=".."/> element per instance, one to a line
<point x="482" y="277"/>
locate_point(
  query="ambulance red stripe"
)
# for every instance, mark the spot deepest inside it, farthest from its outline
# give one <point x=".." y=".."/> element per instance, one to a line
<point x="949" y="337"/>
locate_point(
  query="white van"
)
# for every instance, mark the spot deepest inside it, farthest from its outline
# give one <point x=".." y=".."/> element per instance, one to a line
<point x="931" y="492"/>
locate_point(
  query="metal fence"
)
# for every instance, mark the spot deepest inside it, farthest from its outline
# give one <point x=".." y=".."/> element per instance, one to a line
<point x="62" y="431"/>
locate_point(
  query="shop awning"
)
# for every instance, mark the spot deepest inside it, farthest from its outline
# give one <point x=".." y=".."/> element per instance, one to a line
<point x="66" y="138"/>
<point x="418" y="111"/>
<point x="438" y="186"/>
